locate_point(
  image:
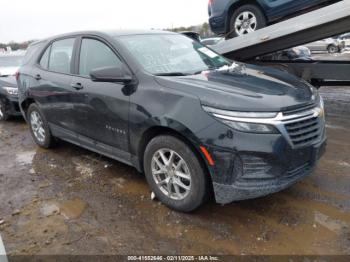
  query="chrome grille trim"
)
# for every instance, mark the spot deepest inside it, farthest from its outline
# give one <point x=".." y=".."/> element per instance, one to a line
<point x="299" y="109"/>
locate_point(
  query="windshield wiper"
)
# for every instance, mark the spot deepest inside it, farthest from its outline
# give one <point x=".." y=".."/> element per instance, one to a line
<point x="172" y="74"/>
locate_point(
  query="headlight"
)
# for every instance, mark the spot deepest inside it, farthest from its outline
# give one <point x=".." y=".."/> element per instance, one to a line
<point x="12" y="90"/>
<point x="244" y="121"/>
<point x="251" y="127"/>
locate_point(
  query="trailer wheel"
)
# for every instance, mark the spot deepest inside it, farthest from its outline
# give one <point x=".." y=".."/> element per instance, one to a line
<point x="332" y="49"/>
<point x="246" y="19"/>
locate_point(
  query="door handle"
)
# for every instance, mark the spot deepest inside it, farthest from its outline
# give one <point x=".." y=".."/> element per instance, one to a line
<point x="77" y="86"/>
<point x="37" y="77"/>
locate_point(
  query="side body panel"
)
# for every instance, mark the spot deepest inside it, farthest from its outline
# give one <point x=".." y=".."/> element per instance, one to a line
<point x="101" y="112"/>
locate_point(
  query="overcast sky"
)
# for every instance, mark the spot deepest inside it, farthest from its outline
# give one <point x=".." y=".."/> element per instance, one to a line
<point x="23" y="20"/>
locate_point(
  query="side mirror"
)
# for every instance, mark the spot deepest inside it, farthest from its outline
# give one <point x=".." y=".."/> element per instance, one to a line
<point x="119" y="74"/>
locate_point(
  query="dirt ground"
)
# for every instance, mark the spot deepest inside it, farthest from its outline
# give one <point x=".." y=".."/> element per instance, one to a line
<point x="70" y="201"/>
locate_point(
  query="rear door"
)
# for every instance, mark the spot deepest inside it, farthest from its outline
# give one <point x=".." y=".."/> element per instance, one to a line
<point x="53" y="79"/>
<point x="101" y="115"/>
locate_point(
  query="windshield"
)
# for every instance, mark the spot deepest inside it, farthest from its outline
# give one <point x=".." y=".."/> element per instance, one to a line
<point x="10" y="61"/>
<point x="172" y="54"/>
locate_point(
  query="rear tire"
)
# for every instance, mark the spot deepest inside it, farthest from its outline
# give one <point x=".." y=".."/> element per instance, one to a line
<point x="4" y="116"/>
<point x="39" y="127"/>
<point x="246" y="19"/>
<point x="171" y="166"/>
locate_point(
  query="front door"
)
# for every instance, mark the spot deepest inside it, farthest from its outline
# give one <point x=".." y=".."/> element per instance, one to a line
<point x="101" y="116"/>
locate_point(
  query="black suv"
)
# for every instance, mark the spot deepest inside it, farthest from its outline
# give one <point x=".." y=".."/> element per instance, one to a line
<point x="188" y="118"/>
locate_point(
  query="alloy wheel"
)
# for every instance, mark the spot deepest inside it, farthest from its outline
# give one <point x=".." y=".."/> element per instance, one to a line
<point x="171" y="174"/>
<point x="37" y="126"/>
<point x="246" y="22"/>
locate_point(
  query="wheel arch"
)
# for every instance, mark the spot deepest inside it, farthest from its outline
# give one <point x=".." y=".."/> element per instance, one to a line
<point x="237" y="4"/>
<point x="155" y="131"/>
<point x="25" y="105"/>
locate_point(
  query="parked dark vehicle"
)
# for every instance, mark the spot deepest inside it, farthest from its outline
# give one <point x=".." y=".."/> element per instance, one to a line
<point x="239" y="17"/>
<point x="188" y="118"/>
<point x="9" y="65"/>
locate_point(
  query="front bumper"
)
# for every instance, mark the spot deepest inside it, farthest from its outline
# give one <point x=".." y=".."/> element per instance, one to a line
<point x="246" y="188"/>
<point x="251" y="165"/>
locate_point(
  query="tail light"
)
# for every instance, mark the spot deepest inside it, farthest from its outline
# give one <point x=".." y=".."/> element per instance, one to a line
<point x="211" y="2"/>
<point x="17" y="75"/>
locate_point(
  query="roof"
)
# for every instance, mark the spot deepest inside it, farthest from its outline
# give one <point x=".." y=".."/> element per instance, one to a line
<point x="135" y="32"/>
<point x="112" y="33"/>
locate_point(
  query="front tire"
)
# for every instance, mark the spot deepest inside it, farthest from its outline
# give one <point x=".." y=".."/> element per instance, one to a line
<point x="39" y="127"/>
<point x="175" y="174"/>
<point x="246" y="19"/>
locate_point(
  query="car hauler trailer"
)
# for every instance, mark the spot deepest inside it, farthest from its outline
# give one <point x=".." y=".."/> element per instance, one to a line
<point x="320" y="24"/>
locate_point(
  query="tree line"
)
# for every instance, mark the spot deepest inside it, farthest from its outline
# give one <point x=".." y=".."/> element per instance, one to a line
<point x="203" y="30"/>
<point x="15" y="45"/>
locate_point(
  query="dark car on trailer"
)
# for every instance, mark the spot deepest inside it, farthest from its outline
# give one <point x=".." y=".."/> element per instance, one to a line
<point x="239" y="17"/>
<point x="188" y="118"/>
<point x="9" y="65"/>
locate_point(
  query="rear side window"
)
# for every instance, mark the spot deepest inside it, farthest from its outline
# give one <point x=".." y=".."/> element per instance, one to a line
<point x="95" y="54"/>
<point x="44" y="61"/>
<point x="31" y="51"/>
<point x="61" y="56"/>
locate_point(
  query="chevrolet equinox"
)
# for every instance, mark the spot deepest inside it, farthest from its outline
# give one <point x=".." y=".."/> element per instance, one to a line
<point x="193" y="121"/>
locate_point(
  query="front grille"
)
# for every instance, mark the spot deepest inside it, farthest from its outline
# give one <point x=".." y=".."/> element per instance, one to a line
<point x="306" y="131"/>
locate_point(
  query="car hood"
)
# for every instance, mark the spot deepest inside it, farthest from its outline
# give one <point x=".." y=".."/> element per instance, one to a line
<point x="245" y="88"/>
<point x="8" y="81"/>
<point x="8" y="71"/>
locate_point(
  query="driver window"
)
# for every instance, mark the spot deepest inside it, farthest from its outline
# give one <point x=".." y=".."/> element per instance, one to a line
<point x="95" y="54"/>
